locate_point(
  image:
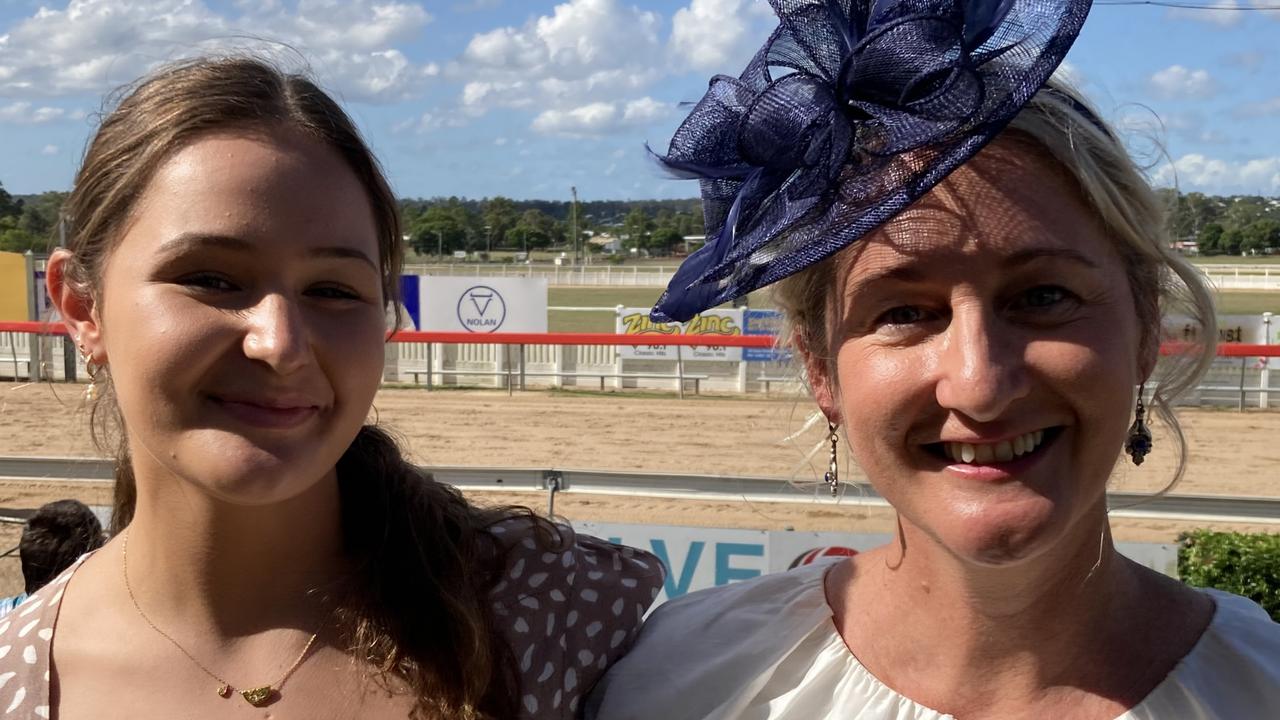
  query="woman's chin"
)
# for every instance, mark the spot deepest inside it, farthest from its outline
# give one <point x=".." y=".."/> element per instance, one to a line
<point x="1000" y="536"/>
<point x="243" y="473"/>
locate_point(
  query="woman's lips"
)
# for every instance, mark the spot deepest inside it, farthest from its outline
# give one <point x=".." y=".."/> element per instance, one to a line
<point x="998" y="470"/>
<point x="269" y="414"/>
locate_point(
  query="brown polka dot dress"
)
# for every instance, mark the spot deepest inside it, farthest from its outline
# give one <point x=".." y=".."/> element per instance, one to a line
<point x="568" y="613"/>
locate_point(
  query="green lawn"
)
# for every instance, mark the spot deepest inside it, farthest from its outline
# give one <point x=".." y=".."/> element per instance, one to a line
<point x="1248" y="303"/>
<point x="1236" y="260"/>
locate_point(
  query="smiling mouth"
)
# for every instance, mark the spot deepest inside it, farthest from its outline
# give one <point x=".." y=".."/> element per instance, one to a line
<point x="994" y="453"/>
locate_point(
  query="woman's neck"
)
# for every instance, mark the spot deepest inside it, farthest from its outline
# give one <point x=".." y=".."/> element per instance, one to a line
<point x="233" y="569"/>
<point x="959" y="637"/>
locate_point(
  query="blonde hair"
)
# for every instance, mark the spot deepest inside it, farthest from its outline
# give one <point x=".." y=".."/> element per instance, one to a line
<point x="1058" y="121"/>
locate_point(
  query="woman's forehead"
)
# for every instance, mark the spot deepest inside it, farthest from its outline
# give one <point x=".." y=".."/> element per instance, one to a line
<point x="1010" y="200"/>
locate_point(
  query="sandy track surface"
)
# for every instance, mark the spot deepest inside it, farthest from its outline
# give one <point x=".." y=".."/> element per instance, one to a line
<point x="1230" y="453"/>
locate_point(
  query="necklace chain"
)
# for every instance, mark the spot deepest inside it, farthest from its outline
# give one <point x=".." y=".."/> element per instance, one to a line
<point x="257" y="695"/>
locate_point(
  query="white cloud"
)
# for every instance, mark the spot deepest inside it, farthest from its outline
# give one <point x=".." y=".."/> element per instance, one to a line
<point x="600" y="118"/>
<point x="426" y="122"/>
<point x="717" y="35"/>
<point x="585" y="52"/>
<point x="95" y="45"/>
<point x="49" y="150"/>
<point x="1259" y="176"/>
<point x="24" y="113"/>
<point x="1070" y="74"/>
<point x="1179" y="83"/>
<point x="1224" y="13"/>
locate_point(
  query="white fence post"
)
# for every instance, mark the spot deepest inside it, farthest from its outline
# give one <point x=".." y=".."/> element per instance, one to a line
<point x="1265" y="379"/>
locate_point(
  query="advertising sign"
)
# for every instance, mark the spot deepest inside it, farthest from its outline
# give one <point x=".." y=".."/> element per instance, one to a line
<point x="709" y="324"/>
<point x="482" y="305"/>
<point x="13" y="288"/>
<point x="699" y="558"/>
<point x="763" y="322"/>
<point x="1231" y="329"/>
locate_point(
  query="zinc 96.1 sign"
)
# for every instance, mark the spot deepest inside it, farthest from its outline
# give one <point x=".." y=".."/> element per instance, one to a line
<point x="482" y="305"/>
<point x="711" y="324"/>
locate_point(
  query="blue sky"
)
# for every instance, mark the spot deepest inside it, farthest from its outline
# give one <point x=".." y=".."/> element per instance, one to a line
<point x="526" y="98"/>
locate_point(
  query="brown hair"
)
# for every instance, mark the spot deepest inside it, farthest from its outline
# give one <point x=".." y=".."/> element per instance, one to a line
<point x="1058" y="124"/>
<point x="418" y="609"/>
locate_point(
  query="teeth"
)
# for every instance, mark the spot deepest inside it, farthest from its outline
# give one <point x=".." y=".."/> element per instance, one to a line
<point x="1003" y="451"/>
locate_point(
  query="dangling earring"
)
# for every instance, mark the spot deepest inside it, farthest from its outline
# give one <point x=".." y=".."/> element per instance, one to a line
<point x="90" y="367"/>
<point x="832" y="477"/>
<point x="1138" y="443"/>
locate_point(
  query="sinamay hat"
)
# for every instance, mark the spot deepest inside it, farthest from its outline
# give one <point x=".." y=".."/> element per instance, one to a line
<point x="850" y="112"/>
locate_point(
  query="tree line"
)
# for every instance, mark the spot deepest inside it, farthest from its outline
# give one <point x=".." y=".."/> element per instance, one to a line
<point x="446" y="225"/>
<point x="29" y="222"/>
<point x="1232" y="225"/>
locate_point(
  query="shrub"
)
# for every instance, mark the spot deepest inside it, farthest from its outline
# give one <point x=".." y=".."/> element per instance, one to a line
<point x="1241" y="563"/>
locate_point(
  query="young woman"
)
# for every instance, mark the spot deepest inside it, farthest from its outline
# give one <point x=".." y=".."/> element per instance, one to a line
<point x="232" y="257"/>
<point x="974" y="275"/>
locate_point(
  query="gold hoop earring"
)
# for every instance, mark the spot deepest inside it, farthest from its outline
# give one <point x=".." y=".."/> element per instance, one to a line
<point x="1138" y="444"/>
<point x="832" y="477"/>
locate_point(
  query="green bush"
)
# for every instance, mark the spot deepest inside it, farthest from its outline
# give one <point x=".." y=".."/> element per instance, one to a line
<point x="1241" y="563"/>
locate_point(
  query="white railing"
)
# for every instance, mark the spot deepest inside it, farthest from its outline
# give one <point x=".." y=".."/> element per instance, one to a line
<point x="564" y="275"/>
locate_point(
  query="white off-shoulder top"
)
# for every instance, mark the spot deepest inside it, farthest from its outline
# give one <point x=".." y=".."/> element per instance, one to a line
<point x="768" y="649"/>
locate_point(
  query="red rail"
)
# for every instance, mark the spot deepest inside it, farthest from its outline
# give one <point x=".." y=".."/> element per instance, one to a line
<point x="745" y="341"/>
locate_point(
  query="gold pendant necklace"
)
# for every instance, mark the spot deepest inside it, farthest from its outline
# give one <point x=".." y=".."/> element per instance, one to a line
<point x="256" y="696"/>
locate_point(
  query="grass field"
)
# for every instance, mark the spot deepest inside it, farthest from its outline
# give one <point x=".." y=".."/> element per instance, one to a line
<point x="1248" y="303"/>
<point x="1236" y="260"/>
<point x="1229" y="303"/>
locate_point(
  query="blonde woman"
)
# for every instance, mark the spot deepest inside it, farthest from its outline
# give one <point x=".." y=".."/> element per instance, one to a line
<point x="232" y="254"/>
<point x="974" y="273"/>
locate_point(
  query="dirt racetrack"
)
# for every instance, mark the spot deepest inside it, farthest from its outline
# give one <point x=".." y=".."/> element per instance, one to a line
<point x="1231" y="453"/>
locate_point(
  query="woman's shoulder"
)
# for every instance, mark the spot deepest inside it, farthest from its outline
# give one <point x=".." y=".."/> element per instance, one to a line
<point x="570" y="605"/>
<point x="1233" y="671"/>
<point x="26" y="639"/>
<point x="1244" y="634"/>
<point x="702" y="650"/>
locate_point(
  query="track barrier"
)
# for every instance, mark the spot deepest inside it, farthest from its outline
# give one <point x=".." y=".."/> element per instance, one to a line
<point x="517" y="361"/>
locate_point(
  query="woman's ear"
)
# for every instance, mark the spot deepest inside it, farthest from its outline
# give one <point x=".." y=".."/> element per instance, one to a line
<point x="817" y="370"/>
<point x="76" y="306"/>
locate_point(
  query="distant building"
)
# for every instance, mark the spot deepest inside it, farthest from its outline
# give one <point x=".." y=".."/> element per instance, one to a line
<point x="607" y="243"/>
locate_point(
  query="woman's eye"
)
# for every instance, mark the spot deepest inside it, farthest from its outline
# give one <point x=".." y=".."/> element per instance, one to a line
<point x="208" y="281"/>
<point x="335" y="292"/>
<point x="1044" y="296"/>
<point x="902" y="315"/>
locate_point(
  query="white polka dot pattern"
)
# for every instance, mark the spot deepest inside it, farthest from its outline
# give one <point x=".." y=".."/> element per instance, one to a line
<point x="25" y="637"/>
<point x="564" y="627"/>
<point x="569" y="614"/>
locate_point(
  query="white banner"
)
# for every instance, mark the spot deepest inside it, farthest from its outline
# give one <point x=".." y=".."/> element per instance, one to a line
<point x="709" y="324"/>
<point x="1247" y="329"/>
<point x="699" y="558"/>
<point x="482" y="304"/>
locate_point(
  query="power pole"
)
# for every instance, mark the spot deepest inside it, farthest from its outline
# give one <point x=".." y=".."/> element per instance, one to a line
<point x="573" y="225"/>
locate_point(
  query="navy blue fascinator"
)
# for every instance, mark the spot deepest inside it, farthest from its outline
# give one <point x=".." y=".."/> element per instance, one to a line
<point x="851" y="111"/>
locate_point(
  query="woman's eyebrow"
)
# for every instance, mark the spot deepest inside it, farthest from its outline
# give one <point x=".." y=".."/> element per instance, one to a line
<point x="1023" y="257"/>
<point x="185" y="241"/>
<point x="190" y="240"/>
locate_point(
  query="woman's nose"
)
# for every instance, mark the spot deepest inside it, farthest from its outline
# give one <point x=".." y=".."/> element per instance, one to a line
<point x="277" y="335"/>
<point x="982" y="368"/>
